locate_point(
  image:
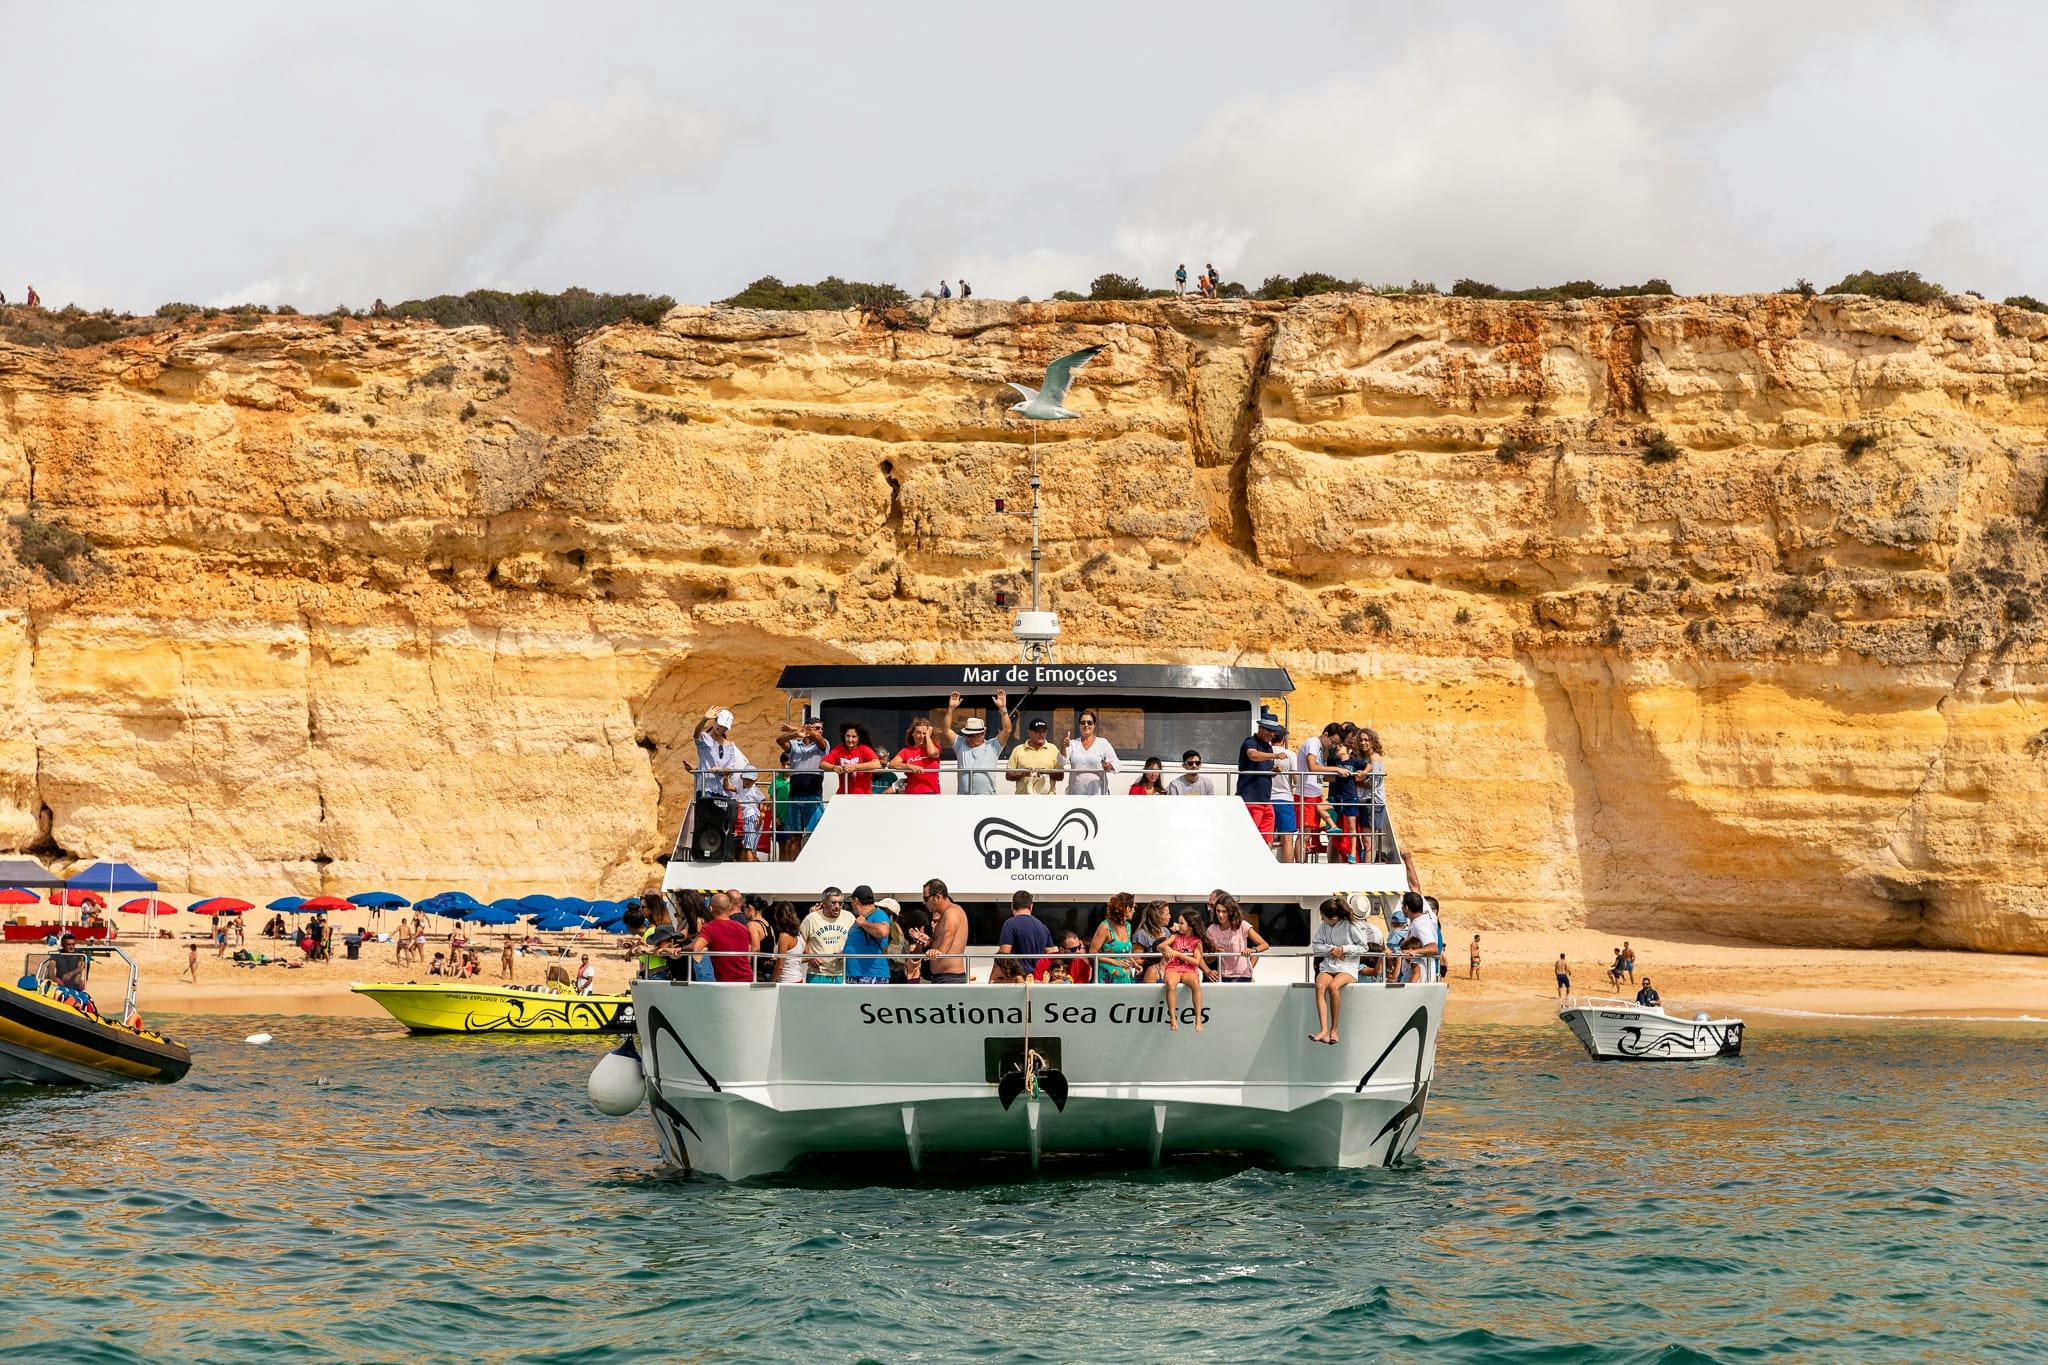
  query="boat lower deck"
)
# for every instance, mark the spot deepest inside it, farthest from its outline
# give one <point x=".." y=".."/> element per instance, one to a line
<point x="746" y="1079"/>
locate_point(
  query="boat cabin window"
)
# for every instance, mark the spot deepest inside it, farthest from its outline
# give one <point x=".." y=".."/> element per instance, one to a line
<point x="1138" y="727"/>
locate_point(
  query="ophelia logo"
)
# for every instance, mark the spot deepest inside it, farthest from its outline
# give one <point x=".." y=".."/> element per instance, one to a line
<point x="1007" y="845"/>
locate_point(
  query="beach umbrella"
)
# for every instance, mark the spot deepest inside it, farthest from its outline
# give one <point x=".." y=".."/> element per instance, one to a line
<point x="554" y="924"/>
<point x="491" y="915"/>
<point x="537" y="902"/>
<point x="72" y="895"/>
<point x="14" y="895"/>
<point x="148" y="905"/>
<point x="323" y="905"/>
<point x="378" y="900"/>
<point x="287" y="903"/>
<point x="506" y="905"/>
<point x="219" y="905"/>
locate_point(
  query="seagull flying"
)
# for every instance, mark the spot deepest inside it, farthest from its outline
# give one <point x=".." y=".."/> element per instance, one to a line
<point x="1044" y="405"/>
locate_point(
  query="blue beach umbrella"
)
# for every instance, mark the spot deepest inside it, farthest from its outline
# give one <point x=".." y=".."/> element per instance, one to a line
<point x="288" y="903"/>
<point x="491" y="915"/>
<point x="378" y="900"/>
<point x="537" y="902"/>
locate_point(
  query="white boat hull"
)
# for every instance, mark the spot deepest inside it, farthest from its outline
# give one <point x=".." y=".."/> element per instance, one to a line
<point x="1623" y="1031"/>
<point x="744" y="1080"/>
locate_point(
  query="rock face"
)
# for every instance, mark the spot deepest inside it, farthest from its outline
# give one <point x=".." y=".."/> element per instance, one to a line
<point x="1720" y="613"/>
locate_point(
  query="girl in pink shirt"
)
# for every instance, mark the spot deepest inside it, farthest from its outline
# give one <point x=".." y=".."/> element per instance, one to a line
<point x="1181" y="961"/>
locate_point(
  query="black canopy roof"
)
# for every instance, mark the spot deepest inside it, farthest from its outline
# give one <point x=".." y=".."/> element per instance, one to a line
<point x="1017" y="677"/>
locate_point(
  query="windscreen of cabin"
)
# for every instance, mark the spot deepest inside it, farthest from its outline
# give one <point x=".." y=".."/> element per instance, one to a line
<point x="1138" y="728"/>
<point x="1155" y="727"/>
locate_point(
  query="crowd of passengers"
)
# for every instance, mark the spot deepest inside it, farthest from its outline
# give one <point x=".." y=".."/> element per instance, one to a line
<point x="859" y="938"/>
<point x="1325" y="797"/>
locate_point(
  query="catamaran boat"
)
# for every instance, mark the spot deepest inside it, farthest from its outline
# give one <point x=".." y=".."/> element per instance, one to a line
<point x="744" y="1079"/>
<point x="1622" y="1030"/>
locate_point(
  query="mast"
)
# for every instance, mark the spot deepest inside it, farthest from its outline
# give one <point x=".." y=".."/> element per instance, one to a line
<point x="1036" y="629"/>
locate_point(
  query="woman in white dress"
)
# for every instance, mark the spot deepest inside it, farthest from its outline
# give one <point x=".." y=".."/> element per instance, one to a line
<point x="1090" y="759"/>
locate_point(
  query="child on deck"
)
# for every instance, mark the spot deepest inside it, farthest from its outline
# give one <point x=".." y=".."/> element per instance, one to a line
<point x="752" y="817"/>
<point x="1181" y="961"/>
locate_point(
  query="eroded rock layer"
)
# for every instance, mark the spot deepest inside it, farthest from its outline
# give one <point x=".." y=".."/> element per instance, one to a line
<point x="1713" y="612"/>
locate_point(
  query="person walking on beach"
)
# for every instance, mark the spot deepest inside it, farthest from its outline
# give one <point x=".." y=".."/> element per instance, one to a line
<point x="192" y="963"/>
<point x="1628" y="961"/>
<point x="505" y="960"/>
<point x="1472" y="972"/>
<point x="1564" y="978"/>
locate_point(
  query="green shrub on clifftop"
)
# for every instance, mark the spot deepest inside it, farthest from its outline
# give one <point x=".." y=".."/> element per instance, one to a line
<point x="1900" y="286"/>
<point x="1113" y="286"/>
<point x="830" y="294"/>
<point x="566" y="314"/>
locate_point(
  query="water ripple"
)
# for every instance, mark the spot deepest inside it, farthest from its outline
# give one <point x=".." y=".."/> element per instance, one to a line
<point x="1843" y="1193"/>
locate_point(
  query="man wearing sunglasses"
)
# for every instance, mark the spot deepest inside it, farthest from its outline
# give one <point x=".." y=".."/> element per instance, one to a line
<point x="1189" y="781"/>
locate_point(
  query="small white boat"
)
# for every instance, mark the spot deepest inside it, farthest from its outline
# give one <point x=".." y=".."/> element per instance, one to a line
<point x="1621" y="1030"/>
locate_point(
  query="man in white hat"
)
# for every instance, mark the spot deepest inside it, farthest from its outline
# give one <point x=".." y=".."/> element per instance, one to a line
<point x="975" y="760"/>
<point x="719" y="760"/>
<point x="717" y="782"/>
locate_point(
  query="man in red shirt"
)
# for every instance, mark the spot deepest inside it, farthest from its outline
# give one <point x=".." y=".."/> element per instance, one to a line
<point x="725" y="935"/>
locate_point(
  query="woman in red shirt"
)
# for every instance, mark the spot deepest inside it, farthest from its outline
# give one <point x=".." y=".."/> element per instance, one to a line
<point x="919" y="759"/>
<point x="1148" y="780"/>
<point x="853" y="760"/>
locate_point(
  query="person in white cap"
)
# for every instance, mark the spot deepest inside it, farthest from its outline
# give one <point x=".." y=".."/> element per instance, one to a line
<point x="719" y="760"/>
<point x="975" y="760"/>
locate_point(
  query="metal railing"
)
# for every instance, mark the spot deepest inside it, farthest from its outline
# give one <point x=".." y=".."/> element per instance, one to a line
<point x="1387" y="966"/>
<point x="1370" y="839"/>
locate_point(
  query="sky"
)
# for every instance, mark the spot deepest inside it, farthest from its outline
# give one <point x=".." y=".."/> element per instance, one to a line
<point x="217" y="152"/>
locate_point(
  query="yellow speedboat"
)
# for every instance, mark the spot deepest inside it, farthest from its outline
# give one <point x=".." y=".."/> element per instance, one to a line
<point x="499" y="1009"/>
<point x="48" y="1036"/>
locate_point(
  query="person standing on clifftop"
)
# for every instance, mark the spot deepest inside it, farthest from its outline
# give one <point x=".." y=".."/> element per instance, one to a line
<point x="1180" y="278"/>
<point x="945" y="290"/>
<point x="34" y="299"/>
<point x="966" y="290"/>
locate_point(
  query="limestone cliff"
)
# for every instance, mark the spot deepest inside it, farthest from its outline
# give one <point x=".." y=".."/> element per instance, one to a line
<point x="1713" y="612"/>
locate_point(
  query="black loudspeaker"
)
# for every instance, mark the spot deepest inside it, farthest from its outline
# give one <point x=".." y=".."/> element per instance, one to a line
<point x="711" y="831"/>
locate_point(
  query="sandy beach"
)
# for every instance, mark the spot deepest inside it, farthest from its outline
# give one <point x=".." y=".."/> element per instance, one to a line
<point x="1515" y="983"/>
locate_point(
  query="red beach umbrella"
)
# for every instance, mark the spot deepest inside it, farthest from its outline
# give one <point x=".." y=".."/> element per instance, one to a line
<point x="148" y="905"/>
<point x="220" y="905"/>
<point x="71" y="895"/>
<point x="327" y="903"/>
<point x="14" y="895"/>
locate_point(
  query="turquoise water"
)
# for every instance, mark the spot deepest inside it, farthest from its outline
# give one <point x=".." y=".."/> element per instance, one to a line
<point x="1855" y="1193"/>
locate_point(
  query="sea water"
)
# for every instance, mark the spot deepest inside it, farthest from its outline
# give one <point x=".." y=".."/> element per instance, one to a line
<point x="1843" y="1191"/>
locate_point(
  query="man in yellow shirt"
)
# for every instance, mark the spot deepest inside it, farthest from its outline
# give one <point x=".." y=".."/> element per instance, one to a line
<point x="1035" y="765"/>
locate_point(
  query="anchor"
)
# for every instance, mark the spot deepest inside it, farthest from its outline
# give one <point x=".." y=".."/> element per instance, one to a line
<point x="1033" y="1076"/>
